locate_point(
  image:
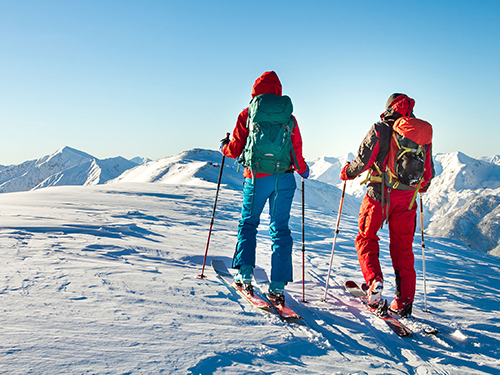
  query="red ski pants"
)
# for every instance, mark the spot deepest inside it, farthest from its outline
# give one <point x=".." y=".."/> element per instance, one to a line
<point x="402" y="223"/>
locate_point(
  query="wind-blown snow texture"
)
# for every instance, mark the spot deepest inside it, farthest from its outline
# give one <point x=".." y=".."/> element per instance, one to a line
<point x="103" y="279"/>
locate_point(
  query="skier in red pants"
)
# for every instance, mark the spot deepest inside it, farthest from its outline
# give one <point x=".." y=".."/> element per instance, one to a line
<point x="389" y="199"/>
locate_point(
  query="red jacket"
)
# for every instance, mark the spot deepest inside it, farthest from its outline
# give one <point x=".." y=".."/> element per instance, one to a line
<point x="267" y="83"/>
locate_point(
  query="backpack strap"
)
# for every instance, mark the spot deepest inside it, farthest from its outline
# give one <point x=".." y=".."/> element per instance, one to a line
<point x="289" y="135"/>
<point x="370" y="177"/>
<point x="414" y="195"/>
<point x="404" y="150"/>
<point x="290" y="132"/>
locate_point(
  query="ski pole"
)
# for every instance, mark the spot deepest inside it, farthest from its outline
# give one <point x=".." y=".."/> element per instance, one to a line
<point x="303" y="248"/>
<point x="334" y="241"/>
<point x="423" y="251"/>
<point x="202" y="276"/>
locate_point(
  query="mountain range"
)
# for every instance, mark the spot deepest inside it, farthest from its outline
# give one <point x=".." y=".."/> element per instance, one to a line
<point x="66" y="166"/>
<point x="463" y="202"/>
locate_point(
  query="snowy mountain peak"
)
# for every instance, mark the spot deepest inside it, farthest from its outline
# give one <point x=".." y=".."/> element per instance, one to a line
<point x="66" y="166"/>
<point x="66" y="150"/>
<point x="495" y="159"/>
<point x="191" y="167"/>
<point x="140" y="160"/>
<point x="327" y="170"/>
<point x="462" y="195"/>
<point x="458" y="171"/>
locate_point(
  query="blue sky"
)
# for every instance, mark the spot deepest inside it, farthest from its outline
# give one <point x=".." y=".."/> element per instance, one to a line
<point x="154" y="78"/>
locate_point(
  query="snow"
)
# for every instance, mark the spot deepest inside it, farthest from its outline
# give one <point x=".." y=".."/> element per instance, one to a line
<point x="462" y="202"/>
<point x="327" y="169"/>
<point x="66" y="166"/>
<point x="460" y="184"/>
<point x="140" y="160"/>
<point x="103" y="279"/>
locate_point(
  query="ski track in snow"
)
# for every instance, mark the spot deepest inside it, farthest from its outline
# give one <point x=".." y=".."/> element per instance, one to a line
<point x="103" y="279"/>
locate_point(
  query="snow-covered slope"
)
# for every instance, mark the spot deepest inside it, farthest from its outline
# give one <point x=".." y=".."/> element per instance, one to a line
<point x="66" y="166"/>
<point x="462" y="202"/>
<point x="195" y="167"/>
<point x="495" y="159"/>
<point x="140" y="160"/>
<point x="459" y="180"/>
<point x="190" y="167"/>
<point x="327" y="169"/>
<point x="477" y="222"/>
<point x="103" y="280"/>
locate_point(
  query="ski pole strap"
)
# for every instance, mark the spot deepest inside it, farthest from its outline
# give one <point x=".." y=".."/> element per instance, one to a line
<point x="295" y="161"/>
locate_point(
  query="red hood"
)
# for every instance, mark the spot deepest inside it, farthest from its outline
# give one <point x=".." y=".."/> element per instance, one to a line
<point x="267" y="83"/>
<point x="403" y="105"/>
<point x="398" y="105"/>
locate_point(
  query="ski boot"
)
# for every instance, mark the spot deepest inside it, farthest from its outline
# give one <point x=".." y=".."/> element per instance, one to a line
<point x="244" y="278"/>
<point x="401" y="309"/>
<point x="374" y="293"/>
<point x="277" y="292"/>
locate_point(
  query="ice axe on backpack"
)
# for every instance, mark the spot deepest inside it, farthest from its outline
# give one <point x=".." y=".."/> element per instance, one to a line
<point x="202" y="276"/>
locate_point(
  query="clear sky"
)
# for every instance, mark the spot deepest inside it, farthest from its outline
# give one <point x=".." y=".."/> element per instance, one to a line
<point x="154" y="78"/>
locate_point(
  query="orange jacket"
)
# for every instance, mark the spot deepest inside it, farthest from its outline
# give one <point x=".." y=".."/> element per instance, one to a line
<point x="267" y="83"/>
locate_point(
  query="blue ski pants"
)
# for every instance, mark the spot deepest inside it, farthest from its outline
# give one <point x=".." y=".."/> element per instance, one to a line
<point x="262" y="191"/>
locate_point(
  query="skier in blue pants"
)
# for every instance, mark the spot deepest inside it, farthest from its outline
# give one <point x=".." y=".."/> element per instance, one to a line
<point x="279" y="210"/>
<point x="277" y="188"/>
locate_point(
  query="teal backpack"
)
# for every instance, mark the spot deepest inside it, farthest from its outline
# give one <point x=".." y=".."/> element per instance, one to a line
<point x="269" y="145"/>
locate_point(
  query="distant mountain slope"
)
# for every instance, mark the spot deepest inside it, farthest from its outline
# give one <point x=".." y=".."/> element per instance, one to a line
<point x="66" y="166"/>
<point x="476" y="222"/>
<point x="463" y="200"/>
<point x="198" y="166"/>
<point x="191" y="167"/>
<point x="327" y="170"/>
<point x="495" y="159"/>
<point x="140" y="160"/>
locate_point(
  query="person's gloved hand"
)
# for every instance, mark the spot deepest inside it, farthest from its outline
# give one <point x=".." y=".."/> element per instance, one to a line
<point x="223" y="142"/>
<point x="305" y="174"/>
<point x="343" y="173"/>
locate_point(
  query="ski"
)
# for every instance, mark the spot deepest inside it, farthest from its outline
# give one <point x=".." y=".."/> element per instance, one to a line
<point x="418" y="324"/>
<point x="285" y="311"/>
<point x="381" y="312"/>
<point x="409" y="321"/>
<point x="224" y="274"/>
